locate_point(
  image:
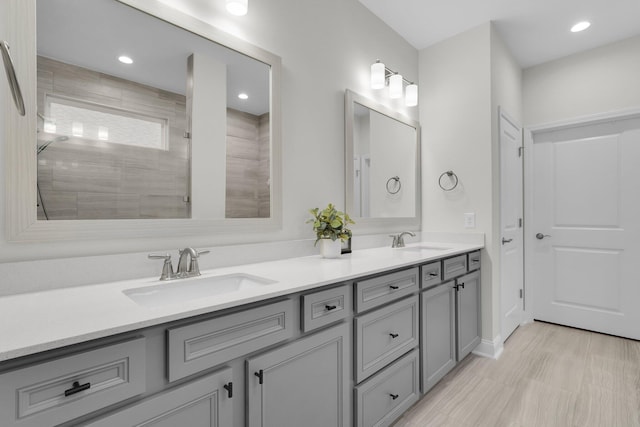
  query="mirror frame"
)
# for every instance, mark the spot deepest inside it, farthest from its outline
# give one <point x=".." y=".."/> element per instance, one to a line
<point x="20" y="136"/>
<point x="372" y="225"/>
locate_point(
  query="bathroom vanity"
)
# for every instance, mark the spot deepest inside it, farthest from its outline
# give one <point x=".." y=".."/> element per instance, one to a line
<point x="353" y="341"/>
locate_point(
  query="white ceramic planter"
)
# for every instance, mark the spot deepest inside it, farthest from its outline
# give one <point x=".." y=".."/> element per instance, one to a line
<point x="330" y="248"/>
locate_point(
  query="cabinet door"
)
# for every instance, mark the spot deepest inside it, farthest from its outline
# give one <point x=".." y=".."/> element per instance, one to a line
<point x="468" y="313"/>
<point x="438" y="333"/>
<point x="201" y="403"/>
<point x="304" y="383"/>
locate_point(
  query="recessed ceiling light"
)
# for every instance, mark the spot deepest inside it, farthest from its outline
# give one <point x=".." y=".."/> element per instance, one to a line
<point x="237" y="7"/>
<point x="243" y="96"/>
<point x="580" y="26"/>
<point x="125" y="59"/>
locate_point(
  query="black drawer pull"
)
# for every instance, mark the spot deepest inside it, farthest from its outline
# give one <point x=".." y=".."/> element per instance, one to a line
<point x="394" y="335"/>
<point x="433" y="274"/>
<point x="475" y="260"/>
<point x="394" y="396"/>
<point x="260" y="375"/>
<point x="229" y="388"/>
<point x="77" y="388"/>
<point x="394" y="287"/>
<point x="330" y="307"/>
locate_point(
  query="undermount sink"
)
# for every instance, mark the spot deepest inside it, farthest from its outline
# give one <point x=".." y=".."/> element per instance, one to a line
<point x="183" y="290"/>
<point x="425" y="248"/>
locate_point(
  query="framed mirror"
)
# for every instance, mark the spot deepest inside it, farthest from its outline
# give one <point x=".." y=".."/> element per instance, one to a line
<point x="382" y="166"/>
<point x="144" y="122"/>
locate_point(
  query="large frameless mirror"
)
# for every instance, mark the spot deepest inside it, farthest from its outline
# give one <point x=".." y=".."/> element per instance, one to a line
<point x="382" y="165"/>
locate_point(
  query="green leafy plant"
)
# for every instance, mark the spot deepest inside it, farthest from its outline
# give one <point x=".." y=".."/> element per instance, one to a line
<point x="330" y="223"/>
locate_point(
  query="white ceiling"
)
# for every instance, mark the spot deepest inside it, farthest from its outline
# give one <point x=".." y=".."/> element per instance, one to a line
<point x="535" y="31"/>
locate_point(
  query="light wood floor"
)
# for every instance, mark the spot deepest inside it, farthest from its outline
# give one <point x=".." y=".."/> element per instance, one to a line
<point x="547" y="376"/>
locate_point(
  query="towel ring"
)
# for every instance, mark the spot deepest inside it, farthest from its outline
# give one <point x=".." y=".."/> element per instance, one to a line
<point x="450" y="174"/>
<point x="395" y="179"/>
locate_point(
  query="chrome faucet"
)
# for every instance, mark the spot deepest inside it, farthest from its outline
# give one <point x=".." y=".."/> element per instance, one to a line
<point x="192" y="269"/>
<point x="187" y="264"/>
<point x="398" y="239"/>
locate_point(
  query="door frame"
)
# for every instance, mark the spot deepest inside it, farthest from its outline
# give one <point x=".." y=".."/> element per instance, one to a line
<point x="502" y="113"/>
<point x="529" y="132"/>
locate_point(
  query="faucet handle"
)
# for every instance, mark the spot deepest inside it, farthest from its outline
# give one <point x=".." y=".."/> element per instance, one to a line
<point x="194" y="268"/>
<point x="167" y="267"/>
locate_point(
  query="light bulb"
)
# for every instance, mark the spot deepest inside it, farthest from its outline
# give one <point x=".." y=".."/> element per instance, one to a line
<point x="377" y="75"/>
<point x="395" y="86"/>
<point x="237" y="7"/>
<point x="411" y="95"/>
<point x="580" y="26"/>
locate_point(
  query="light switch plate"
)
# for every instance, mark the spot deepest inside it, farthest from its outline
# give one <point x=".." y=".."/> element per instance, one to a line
<point x="470" y="220"/>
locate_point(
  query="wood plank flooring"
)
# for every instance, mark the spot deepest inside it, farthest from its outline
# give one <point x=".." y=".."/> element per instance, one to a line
<point x="547" y="376"/>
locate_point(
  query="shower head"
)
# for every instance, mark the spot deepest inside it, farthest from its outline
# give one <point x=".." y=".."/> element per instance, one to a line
<point x="44" y="146"/>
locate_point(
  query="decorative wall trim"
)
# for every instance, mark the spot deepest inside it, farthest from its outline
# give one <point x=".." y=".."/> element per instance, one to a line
<point x="491" y="349"/>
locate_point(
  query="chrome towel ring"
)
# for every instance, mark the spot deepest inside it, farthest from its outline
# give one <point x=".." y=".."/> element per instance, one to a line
<point x="453" y="178"/>
<point x="16" y="93"/>
<point x="394" y="185"/>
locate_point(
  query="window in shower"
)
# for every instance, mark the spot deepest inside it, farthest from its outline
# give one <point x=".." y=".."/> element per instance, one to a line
<point x="76" y="118"/>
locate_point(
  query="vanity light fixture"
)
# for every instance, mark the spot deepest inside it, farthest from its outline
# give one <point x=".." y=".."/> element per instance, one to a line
<point x="237" y="7"/>
<point x="378" y="75"/>
<point x="411" y="95"/>
<point x="580" y="26"/>
<point x="243" y="95"/>
<point x="381" y="75"/>
<point x="125" y="60"/>
<point x="395" y="86"/>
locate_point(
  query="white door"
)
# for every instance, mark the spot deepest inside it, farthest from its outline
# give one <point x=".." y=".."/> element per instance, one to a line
<point x="586" y="211"/>
<point x="511" y="214"/>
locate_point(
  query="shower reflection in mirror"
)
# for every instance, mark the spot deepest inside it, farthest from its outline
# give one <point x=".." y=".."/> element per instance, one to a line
<point x="155" y="136"/>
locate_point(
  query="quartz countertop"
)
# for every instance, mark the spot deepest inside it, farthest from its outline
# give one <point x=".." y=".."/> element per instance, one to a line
<point x="35" y="322"/>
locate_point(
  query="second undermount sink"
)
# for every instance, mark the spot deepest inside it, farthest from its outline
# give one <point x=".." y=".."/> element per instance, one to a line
<point x="183" y="290"/>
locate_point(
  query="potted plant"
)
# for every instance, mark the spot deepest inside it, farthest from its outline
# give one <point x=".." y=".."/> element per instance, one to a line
<point x="331" y="228"/>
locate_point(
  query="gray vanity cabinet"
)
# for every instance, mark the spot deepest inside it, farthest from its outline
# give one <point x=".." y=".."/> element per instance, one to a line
<point x="468" y="313"/>
<point x="303" y="383"/>
<point x="205" y="402"/>
<point x="438" y="334"/>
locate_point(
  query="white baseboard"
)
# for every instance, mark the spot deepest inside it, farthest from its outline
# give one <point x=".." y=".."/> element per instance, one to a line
<point x="490" y="348"/>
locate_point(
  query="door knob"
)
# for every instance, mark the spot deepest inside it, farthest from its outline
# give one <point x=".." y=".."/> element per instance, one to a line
<point x="541" y="236"/>
<point x="506" y="240"/>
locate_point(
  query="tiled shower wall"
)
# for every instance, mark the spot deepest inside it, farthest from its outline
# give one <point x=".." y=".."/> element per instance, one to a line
<point x="85" y="179"/>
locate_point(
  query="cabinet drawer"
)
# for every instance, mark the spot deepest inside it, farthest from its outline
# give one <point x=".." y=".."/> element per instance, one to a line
<point x="384" y="397"/>
<point x="384" y="335"/>
<point x="55" y="392"/>
<point x="454" y="267"/>
<point x="371" y="293"/>
<point x="473" y="262"/>
<point x="204" y="402"/>
<point x="431" y="274"/>
<point x="325" y="307"/>
<point x="203" y="345"/>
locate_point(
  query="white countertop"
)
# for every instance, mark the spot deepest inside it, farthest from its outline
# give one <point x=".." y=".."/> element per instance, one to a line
<point x="40" y="321"/>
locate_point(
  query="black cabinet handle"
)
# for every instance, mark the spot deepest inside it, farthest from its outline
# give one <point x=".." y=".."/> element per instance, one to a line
<point x="330" y="307"/>
<point x="229" y="388"/>
<point x="461" y="284"/>
<point x="433" y="274"/>
<point x="260" y="375"/>
<point x="77" y="388"/>
<point x="394" y="335"/>
<point x="394" y="287"/>
<point x="394" y="396"/>
<point x="475" y="260"/>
